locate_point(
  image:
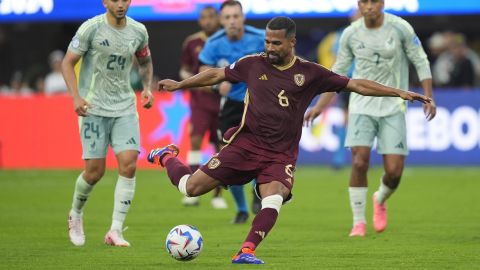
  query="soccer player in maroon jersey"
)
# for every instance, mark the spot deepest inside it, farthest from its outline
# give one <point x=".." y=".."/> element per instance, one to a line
<point x="204" y="104"/>
<point x="265" y="145"/>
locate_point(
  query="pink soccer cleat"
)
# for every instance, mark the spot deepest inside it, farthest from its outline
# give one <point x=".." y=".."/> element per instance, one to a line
<point x="115" y="238"/>
<point x="379" y="215"/>
<point x="360" y="229"/>
<point x="75" y="231"/>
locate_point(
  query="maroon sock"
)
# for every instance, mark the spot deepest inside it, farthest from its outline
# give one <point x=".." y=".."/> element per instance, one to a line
<point x="176" y="170"/>
<point x="195" y="167"/>
<point x="261" y="225"/>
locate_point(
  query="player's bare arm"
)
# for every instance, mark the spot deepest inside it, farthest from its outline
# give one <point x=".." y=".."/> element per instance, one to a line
<point x="322" y="103"/>
<point x="68" y="71"/>
<point x="430" y="109"/>
<point x="223" y="88"/>
<point x="371" y="88"/>
<point x="205" y="78"/>
<point x="145" y="69"/>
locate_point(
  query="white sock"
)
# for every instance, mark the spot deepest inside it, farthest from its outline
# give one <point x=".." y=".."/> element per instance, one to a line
<point x="383" y="192"/>
<point x="80" y="196"/>
<point x="194" y="157"/>
<point x="182" y="184"/>
<point x="124" y="192"/>
<point x="358" y="199"/>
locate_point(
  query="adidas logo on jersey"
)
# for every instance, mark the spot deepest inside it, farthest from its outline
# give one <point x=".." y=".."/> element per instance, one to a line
<point x="105" y="43"/>
<point x="400" y="145"/>
<point x="131" y="141"/>
<point x="263" y="77"/>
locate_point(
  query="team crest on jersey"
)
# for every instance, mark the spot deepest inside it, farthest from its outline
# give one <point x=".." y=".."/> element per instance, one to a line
<point x="213" y="163"/>
<point x="299" y="79"/>
<point x="75" y="42"/>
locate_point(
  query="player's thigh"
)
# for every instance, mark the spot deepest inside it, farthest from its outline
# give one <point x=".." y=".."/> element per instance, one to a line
<point x="125" y="134"/>
<point x="199" y="121"/>
<point x="361" y="130"/>
<point x="213" y="127"/>
<point x="392" y="135"/>
<point x="231" y="166"/>
<point x="95" y="136"/>
<point x="276" y="178"/>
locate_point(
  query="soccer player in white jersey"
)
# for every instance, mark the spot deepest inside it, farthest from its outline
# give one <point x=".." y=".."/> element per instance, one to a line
<point x="106" y="106"/>
<point x="381" y="45"/>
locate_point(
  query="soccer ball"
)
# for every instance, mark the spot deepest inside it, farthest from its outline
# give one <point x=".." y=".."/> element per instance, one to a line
<point x="184" y="242"/>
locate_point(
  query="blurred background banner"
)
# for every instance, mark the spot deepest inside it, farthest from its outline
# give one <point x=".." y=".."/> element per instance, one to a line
<point x="180" y="10"/>
<point x="43" y="132"/>
<point x="451" y="138"/>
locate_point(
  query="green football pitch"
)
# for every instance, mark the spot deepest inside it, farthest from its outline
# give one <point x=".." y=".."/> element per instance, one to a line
<point x="434" y="223"/>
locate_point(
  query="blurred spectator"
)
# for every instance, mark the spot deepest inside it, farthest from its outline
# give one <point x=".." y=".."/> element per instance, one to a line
<point x="458" y="66"/>
<point x="437" y="44"/>
<point x="54" y="83"/>
<point x="17" y="86"/>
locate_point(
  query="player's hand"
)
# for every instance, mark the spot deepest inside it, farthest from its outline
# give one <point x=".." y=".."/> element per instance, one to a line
<point x="310" y="116"/>
<point x="81" y="106"/>
<point x="430" y="110"/>
<point x="169" y="85"/>
<point x="412" y="96"/>
<point x="147" y="99"/>
<point x="224" y="88"/>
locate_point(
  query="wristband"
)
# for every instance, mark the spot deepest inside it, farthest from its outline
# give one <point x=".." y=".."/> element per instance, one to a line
<point x="216" y="88"/>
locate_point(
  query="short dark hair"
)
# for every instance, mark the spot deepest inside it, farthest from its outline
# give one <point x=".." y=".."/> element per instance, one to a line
<point x="209" y="7"/>
<point x="231" y="3"/>
<point x="280" y="23"/>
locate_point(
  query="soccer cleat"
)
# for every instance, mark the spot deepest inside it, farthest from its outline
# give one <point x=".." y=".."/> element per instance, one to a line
<point x="360" y="229"/>
<point x="240" y="218"/>
<point x="379" y="215"/>
<point x="246" y="256"/>
<point x="75" y="231"/>
<point x="156" y="155"/>
<point x="115" y="238"/>
<point x="219" y="203"/>
<point x="190" y="201"/>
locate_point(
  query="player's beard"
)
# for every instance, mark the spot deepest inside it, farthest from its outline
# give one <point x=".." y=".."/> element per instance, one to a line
<point x="274" y="58"/>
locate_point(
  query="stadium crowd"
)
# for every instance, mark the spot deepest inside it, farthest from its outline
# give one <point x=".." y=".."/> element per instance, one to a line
<point x="454" y="58"/>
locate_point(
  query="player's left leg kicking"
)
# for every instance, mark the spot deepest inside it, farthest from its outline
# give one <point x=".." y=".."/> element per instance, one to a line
<point x="199" y="183"/>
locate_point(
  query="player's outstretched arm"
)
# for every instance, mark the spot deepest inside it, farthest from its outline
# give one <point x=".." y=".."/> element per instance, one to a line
<point x="371" y="88"/>
<point x="205" y="78"/>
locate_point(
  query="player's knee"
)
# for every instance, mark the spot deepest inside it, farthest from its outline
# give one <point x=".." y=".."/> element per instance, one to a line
<point x="188" y="188"/>
<point x="93" y="175"/>
<point x="273" y="201"/>
<point x="360" y="164"/>
<point x="128" y="169"/>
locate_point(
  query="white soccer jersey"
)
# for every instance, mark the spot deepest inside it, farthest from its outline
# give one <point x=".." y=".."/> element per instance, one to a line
<point x="381" y="55"/>
<point x="107" y="54"/>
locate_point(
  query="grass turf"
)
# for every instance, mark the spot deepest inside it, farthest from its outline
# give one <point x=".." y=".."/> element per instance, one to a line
<point x="434" y="223"/>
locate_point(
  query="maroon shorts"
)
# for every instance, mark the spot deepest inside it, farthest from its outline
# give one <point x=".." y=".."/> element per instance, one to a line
<point x="237" y="166"/>
<point x="203" y="120"/>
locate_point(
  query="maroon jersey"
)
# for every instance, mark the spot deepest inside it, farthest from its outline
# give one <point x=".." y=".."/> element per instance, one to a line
<point x="276" y="101"/>
<point x="192" y="46"/>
